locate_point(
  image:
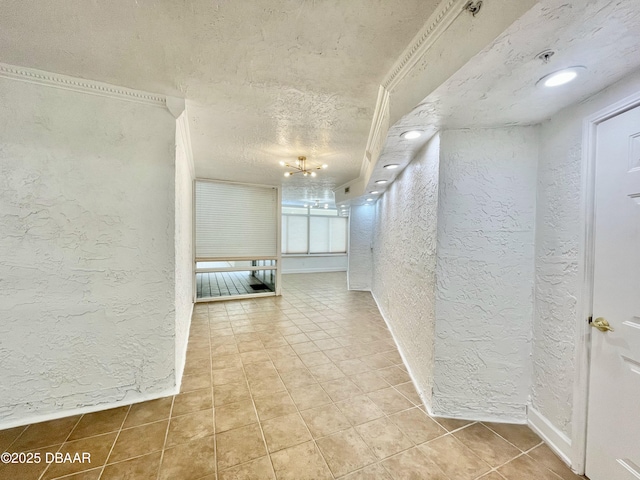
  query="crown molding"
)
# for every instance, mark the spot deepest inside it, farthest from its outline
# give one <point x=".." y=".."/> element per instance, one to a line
<point x="81" y="85"/>
<point x="437" y="24"/>
<point x="378" y="131"/>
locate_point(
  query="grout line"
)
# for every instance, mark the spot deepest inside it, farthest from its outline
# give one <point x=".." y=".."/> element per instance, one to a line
<point x="61" y="445"/>
<point x="114" y="443"/>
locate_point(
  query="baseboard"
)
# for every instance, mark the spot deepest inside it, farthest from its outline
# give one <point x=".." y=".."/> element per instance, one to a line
<point x="87" y="409"/>
<point x="315" y="270"/>
<point x="426" y="402"/>
<point x="182" y="360"/>
<point x="554" y="438"/>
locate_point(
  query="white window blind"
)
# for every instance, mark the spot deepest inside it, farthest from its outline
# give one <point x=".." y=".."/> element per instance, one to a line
<point x="313" y="234"/>
<point x="295" y="234"/>
<point x="235" y="220"/>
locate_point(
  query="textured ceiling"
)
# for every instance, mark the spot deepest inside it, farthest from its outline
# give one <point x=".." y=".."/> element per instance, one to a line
<point x="265" y="80"/>
<point x="498" y="86"/>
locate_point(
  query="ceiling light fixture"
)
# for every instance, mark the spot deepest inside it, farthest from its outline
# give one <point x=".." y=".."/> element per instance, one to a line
<point x="411" y="134"/>
<point x="380" y="182"/>
<point x="369" y="199"/>
<point x="302" y="167"/>
<point x="561" y="77"/>
<point x="375" y="192"/>
<point x="391" y="166"/>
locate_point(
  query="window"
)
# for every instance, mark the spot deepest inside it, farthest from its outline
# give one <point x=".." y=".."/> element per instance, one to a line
<point x="318" y="231"/>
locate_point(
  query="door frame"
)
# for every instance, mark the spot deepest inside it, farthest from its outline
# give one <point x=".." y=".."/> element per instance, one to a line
<point x="586" y="263"/>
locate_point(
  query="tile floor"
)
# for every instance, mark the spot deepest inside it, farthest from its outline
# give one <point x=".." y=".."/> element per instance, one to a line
<point x="306" y="386"/>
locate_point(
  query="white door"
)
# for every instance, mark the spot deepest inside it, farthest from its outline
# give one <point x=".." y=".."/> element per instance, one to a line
<point x="613" y="428"/>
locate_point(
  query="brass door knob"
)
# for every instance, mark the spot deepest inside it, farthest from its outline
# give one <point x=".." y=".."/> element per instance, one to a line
<point x="602" y="325"/>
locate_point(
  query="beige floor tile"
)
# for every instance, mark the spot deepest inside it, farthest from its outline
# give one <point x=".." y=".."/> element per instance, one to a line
<point x="327" y="344"/>
<point x="231" y="393"/>
<point x="408" y="390"/>
<point x="359" y="409"/>
<point x="353" y="366"/>
<point x="227" y="375"/>
<point x="394" y="375"/>
<point x="326" y="372"/>
<point x="302" y="462"/>
<point x="140" y="468"/>
<point x="239" y="446"/>
<point x="98" y="447"/>
<point x="219" y="362"/>
<point x="259" y="469"/>
<point x="545" y="456"/>
<point x="305" y="347"/>
<point x="376" y="361"/>
<point x="190" y="427"/>
<point x="525" y="468"/>
<point x="451" y="424"/>
<point x="372" y="472"/>
<point x="136" y="441"/>
<point x="189" y="461"/>
<point x="44" y="434"/>
<point x="260" y="369"/>
<point x="7" y="437"/>
<point x="196" y="381"/>
<point x="192" y="402"/>
<point x="283" y="351"/>
<point x="519" y="435"/>
<point x="341" y="389"/>
<point x="148" y="412"/>
<point x="274" y="405"/>
<point x="412" y="464"/>
<point x="297" y="377"/>
<point x="341" y="354"/>
<point x="250" y="346"/>
<point x="492" y="476"/>
<point x="288" y="364"/>
<point x="383" y="437"/>
<point x="417" y="425"/>
<point x="225" y="349"/>
<point x="454" y="458"/>
<point x="325" y="420"/>
<point x="390" y="400"/>
<point x="369" y="381"/>
<point x="254" y="357"/>
<point x="234" y="415"/>
<point x="93" y="474"/>
<point x="314" y="358"/>
<point x="309" y="396"/>
<point x="26" y="471"/>
<point x="97" y="423"/>
<point x="266" y="385"/>
<point x="283" y="432"/>
<point x="345" y="452"/>
<point x="486" y="444"/>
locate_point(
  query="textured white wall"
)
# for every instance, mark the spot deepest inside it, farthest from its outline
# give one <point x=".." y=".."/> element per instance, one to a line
<point x="361" y="221"/>
<point x="184" y="273"/>
<point x="86" y="250"/>
<point x="404" y="262"/>
<point x="485" y="262"/>
<point x="558" y="231"/>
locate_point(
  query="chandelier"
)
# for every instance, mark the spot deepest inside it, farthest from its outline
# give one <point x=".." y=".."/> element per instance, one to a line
<point x="301" y="167"/>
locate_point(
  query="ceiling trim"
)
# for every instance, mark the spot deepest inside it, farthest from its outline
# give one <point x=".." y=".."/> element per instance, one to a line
<point x="81" y="85"/>
<point x="437" y="23"/>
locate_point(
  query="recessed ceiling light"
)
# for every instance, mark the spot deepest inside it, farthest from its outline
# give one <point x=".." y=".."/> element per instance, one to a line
<point x="391" y="166"/>
<point x="369" y="199"/>
<point x="411" y="134"/>
<point x="305" y="205"/>
<point x="374" y="192"/>
<point x="380" y="182"/>
<point x="560" y="77"/>
<point x="324" y="165"/>
<point x="326" y="205"/>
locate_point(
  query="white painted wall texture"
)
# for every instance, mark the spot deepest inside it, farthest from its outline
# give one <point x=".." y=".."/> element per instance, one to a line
<point x="184" y="273"/>
<point x="558" y="232"/>
<point x="361" y="222"/>
<point x="404" y="262"/>
<point x="485" y="262"/>
<point x="87" y="263"/>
